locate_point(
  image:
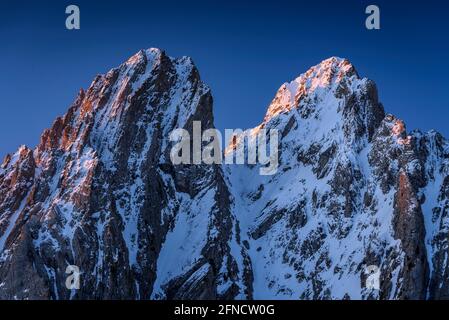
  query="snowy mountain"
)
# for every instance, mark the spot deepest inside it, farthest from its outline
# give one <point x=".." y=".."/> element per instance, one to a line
<point x="353" y="191"/>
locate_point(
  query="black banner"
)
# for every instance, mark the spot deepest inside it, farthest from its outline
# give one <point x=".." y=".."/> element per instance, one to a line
<point x="197" y="310"/>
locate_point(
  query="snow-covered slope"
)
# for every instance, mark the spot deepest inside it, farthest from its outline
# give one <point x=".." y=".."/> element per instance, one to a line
<point x="353" y="191"/>
<point x="346" y="195"/>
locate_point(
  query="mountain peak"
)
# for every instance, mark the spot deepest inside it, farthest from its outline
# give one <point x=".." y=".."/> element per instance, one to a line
<point x="328" y="74"/>
<point x="150" y="81"/>
<point x="144" y="54"/>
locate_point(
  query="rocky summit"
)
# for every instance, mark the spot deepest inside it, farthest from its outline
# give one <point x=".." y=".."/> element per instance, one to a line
<point x="354" y="192"/>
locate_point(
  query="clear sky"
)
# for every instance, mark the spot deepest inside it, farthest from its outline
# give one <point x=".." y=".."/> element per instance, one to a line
<point x="244" y="50"/>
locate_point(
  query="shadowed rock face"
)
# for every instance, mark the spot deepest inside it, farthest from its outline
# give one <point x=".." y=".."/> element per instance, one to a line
<point x="353" y="190"/>
<point x="408" y="226"/>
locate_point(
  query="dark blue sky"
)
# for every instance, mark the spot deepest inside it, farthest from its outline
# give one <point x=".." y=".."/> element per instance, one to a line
<point x="244" y="50"/>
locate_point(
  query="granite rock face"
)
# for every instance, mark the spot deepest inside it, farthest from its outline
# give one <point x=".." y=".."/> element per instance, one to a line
<point x="354" y="192"/>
